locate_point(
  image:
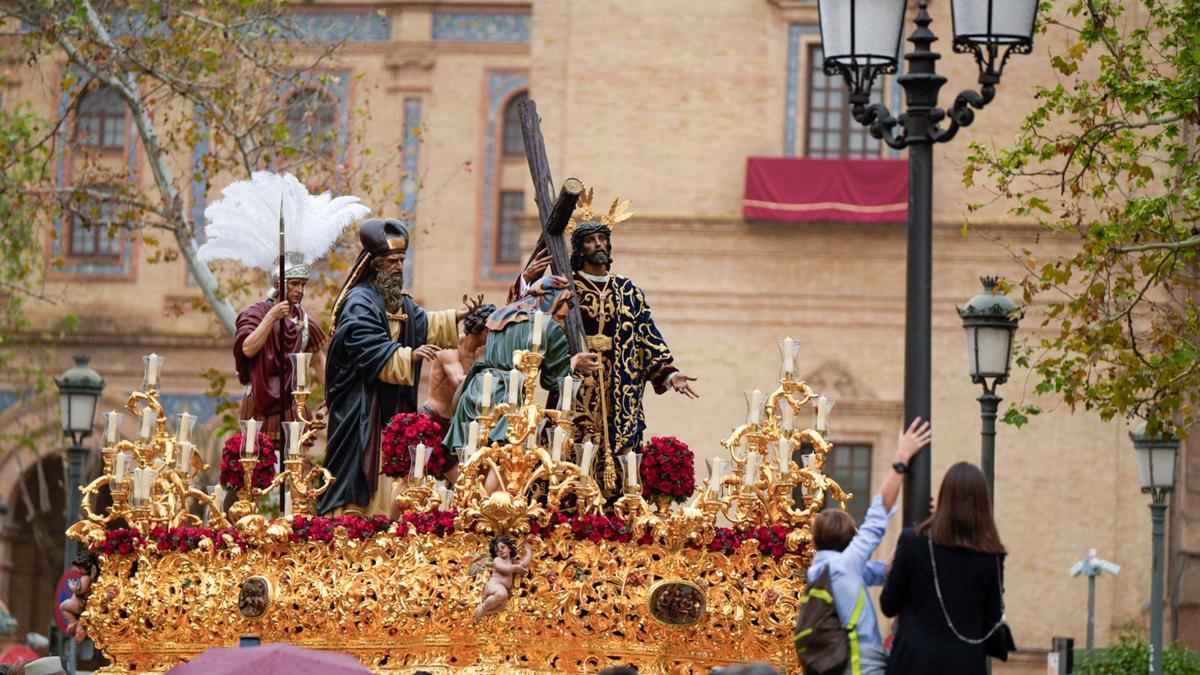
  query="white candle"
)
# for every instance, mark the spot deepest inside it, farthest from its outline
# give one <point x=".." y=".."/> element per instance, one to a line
<point x="823" y="407"/>
<point x="293" y="431"/>
<point x="287" y="503"/>
<point x="754" y="414"/>
<point x="250" y="440"/>
<point x="485" y="396"/>
<point x="566" y="394"/>
<point x="119" y="466"/>
<point x="787" y="416"/>
<point x="143" y="482"/>
<point x="186" y="422"/>
<point x="112" y="420"/>
<point x="514" y="385"/>
<point x="716" y="472"/>
<point x="585" y="462"/>
<point x="810" y="461"/>
<point x="472" y="437"/>
<point x="785" y="455"/>
<point x="752" y="463"/>
<point x="631" y="469"/>
<point x="185" y="456"/>
<point x="153" y="364"/>
<point x="789" y="355"/>
<point x="560" y="437"/>
<point x="419" y="461"/>
<point x="218" y="494"/>
<point x="149" y="417"/>
<point x="539" y="322"/>
<point x="300" y="361"/>
<point x="443" y="494"/>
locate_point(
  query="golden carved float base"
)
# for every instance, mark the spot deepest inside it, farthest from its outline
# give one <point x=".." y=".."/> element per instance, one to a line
<point x="403" y="603"/>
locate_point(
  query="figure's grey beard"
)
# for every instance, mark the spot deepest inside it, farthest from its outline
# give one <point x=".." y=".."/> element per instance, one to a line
<point x="391" y="285"/>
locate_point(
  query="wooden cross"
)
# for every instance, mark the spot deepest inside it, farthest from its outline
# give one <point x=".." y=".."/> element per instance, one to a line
<point x="553" y="215"/>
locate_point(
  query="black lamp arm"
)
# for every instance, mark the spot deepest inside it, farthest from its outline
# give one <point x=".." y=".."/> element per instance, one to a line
<point x="962" y="113"/>
<point x="880" y="122"/>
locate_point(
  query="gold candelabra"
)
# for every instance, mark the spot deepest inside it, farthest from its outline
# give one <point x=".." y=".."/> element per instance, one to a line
<point x="150" y="478"/>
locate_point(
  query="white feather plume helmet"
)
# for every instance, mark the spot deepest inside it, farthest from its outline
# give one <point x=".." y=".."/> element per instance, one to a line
<point x="244" y="224"/>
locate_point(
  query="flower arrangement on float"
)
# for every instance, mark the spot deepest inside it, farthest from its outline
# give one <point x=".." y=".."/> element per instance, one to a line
<point x="400" y="439"/>
<point x="668" y="469"/>
<point x="232" y="475"/>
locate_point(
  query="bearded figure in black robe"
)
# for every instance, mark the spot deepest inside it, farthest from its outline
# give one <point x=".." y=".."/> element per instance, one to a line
<point x="620" y="329"/>
<point x="373" y="367"/>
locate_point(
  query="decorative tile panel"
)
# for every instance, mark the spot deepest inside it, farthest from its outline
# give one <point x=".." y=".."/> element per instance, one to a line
<point x="202" y="406"/>
<point x="795" y="32"/>
<point x="8" y="397"/>
<point x="482" y="27"/>
<point x="411" y="184"/>
<point x="363" y="26"/>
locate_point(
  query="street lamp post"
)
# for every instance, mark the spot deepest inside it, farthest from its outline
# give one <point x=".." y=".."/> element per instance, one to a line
<point x="79" y="392"/>
<point x="990" y="320"/>
<point x="1156" y="468"/>
<point x="861" y="40"/>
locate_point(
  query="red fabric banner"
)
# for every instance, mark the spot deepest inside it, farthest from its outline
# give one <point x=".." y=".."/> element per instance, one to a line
<point x="807" y="189"/>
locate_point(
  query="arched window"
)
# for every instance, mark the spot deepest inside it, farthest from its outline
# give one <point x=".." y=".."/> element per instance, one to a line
<point x="93" y="234"/>
<point x="514" y="143"/>
<point x="100" y="120"/>
<point x="310" y="114"/>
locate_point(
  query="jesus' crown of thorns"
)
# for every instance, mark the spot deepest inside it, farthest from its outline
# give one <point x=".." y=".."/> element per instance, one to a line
<point x="617" y="213"/>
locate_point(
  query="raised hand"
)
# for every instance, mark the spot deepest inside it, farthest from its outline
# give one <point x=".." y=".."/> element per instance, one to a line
<point x="679" y="382"/>
<point x="917" y="436"/>
<point x="469" y="305"/>
<point x="536" y="267"/>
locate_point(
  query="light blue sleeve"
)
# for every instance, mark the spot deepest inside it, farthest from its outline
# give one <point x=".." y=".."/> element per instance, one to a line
<point x="863" y="546"/>
<point x="875" y="573"/>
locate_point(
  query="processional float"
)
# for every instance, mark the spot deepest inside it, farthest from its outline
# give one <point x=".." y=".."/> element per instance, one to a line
<point x="671" y="588"/>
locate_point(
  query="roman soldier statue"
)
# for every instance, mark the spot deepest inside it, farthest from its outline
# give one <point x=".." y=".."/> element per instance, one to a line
<point x="244" y="226"/>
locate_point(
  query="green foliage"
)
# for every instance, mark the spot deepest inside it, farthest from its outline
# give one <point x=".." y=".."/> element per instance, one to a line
<point x="1130" y="653"/>
<point x="1108" y="159"/>
<point x="21" y="261"/>
<point x="212" y="89"/>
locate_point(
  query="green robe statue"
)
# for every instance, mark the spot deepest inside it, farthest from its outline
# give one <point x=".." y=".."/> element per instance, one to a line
<point x="498" y="359"/>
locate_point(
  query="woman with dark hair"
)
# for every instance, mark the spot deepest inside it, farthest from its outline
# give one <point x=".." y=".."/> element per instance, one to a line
<point x="945" y="582"/>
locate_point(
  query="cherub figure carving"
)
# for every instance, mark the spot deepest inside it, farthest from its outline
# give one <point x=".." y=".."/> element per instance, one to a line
<point x="504" y="572"/>
<point x="72" y="607"/>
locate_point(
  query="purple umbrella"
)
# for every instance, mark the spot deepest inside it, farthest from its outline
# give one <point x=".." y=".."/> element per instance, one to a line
<point x="272" y="659"/>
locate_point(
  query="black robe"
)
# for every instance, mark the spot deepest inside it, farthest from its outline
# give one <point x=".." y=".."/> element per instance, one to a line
<point x="359" y="402"/>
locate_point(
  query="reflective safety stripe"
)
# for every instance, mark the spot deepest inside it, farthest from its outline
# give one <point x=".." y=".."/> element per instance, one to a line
<point x="852" y="632"/>
<point x="802" y="634"/>
<point x="818" y="593"/>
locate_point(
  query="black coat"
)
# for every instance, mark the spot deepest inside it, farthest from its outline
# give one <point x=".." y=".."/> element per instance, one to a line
<point x="970" y="582"/>
<point x="360" y="404"/>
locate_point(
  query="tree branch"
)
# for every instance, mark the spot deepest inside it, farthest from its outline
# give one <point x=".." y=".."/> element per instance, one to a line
<point x="1192" y="242"/>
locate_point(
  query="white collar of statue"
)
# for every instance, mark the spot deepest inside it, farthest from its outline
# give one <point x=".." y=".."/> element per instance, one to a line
<point x="593" y="277"/>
